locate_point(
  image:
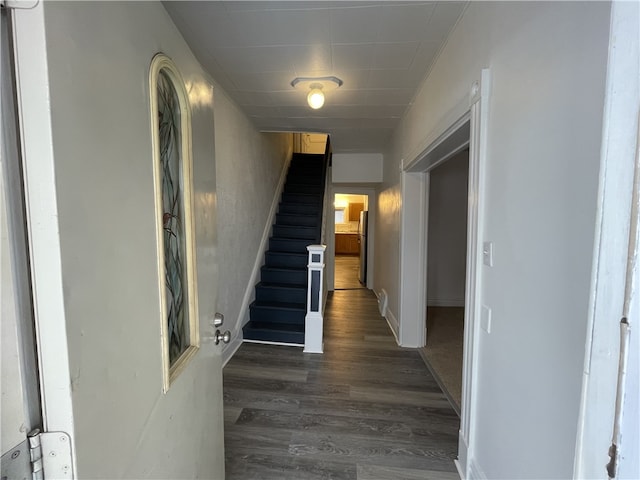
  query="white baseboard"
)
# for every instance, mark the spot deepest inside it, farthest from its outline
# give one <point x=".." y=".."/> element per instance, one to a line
<point x="475" y="472"/>
<point x="249" y="293"/>
<point x="459" y="469"/>
<point x="231" y="348"/>
<point x="461" y="461"/>
<point x="445" y="302"/>
<point x="392" y="321"/>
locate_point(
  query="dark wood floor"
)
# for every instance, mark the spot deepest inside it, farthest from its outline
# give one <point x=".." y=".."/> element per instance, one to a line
<point x="365" y="409"/>
<point x="347" y="272"/>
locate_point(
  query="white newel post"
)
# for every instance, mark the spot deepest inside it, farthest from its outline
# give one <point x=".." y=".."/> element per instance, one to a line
<point x="315" y="300"/>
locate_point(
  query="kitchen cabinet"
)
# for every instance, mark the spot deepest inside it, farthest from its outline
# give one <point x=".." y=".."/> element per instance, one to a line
<point x="347" y="244"/>
<point x="354" y="211"/>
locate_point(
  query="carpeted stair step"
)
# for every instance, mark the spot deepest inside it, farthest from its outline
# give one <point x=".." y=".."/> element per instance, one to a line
<point x="302" y="188"/>
<point x="303" y="198"/>
<point x="293" y="245"/>
<point x="309" y="170"/>
<point x="285" y="276"/>
<point x="295" y="231"/>
<point x="286" y="260"/>
<point x="276" y="333"/>
<point x="294" y="219"/>
<point x="304" y="177"/>
<point x="280" y="313"/>
<point x="275" y="292"/>
<point x="305" y="209"/>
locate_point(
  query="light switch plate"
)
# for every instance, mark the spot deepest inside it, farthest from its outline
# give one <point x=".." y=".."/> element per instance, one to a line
<point x="487" y="253"/>
<point x="485" y="319"/>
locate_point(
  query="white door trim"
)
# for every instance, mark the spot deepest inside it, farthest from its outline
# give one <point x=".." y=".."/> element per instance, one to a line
<point x="611" y="250"/>
<point x="42" y="219"/>
<point x="413" y="243"/>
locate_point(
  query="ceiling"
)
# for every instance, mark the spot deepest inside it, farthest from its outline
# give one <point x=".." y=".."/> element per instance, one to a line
<point x="381" y="50"/>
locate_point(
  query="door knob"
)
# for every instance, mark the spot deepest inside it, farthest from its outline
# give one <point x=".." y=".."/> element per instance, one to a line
<point x="218" y="319"/>
<point x="225" y="337"/>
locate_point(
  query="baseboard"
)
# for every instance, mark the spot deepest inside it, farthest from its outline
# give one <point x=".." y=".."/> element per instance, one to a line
<point x="461" y="461"/>
<point x="475" y="472"/>
<point x="445" y="302"/>
<point x="230" y="349"/>
<point x="243" y="315"/>
<point x="282" y="344"/>
<point x="392" y="321"/>
<point x="459" y="469"/>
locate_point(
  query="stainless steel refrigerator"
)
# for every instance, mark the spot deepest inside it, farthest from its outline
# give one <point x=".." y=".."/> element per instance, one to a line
<point x="363" y="228"/>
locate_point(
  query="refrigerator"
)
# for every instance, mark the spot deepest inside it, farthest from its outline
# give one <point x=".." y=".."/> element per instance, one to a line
<point x="363" y="228"/>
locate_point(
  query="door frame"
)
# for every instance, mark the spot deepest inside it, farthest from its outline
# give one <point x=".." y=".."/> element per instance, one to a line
<point x="35" y="126"/>
<point x="464" y="126"/>
<point x="330" y="238"/>
<point x="25" y="398"/>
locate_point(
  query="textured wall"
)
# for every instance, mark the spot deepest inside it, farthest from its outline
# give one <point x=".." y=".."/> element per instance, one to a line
<point x="548" y="63"/>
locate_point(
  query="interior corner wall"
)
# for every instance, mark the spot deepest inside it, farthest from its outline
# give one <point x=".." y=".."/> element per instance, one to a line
<point x="547" y="64"/>
<point x="447" y="232"/>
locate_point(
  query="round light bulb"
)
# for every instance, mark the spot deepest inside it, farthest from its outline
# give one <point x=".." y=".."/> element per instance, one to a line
<point x="315" y="99"/>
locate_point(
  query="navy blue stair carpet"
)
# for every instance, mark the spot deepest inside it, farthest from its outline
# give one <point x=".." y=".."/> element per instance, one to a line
<point x="278" y="312"/>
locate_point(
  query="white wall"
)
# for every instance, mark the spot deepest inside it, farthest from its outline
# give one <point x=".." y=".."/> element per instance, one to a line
<point x="99" y="56"/>
<point x="447" y="232"/>
<point x="357" y="167"/>
<point x="547" y="63"/>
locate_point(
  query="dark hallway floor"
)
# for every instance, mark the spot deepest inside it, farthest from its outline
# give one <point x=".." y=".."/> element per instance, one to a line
<point x="365" y="409"/>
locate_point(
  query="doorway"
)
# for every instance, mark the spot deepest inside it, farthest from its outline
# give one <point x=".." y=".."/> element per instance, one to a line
<point x="446" y="273"/>
<point x="351" y="240"/>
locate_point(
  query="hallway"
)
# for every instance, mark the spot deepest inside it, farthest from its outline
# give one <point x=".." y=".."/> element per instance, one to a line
<point x="365" y="409"/>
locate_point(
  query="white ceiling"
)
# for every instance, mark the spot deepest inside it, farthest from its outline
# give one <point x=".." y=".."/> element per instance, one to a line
<point x="381" y="50"/>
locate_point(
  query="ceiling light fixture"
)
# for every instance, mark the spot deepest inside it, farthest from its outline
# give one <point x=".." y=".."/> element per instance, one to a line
<point x="316" y="86"/>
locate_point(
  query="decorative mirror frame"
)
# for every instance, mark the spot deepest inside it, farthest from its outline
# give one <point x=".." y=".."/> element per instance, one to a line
<point x="162" y="63"/>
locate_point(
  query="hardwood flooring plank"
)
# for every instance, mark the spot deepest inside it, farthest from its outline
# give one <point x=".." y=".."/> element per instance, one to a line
<point x="377" y="472"/>
<point x="419" y="416"/>
<point x="243" y="398"/>
<point x="323" y="423"/>
<point x="371" y="450"/>
<point x="276" y="373"/>
<point x="404" y="397"/>
<point x="281" y="467"/>
<point x="246" y="439"/>
<point x="295" y="388"/>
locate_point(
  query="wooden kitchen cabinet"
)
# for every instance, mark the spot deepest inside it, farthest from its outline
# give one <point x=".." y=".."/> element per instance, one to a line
<point x="347" y="244"/>
<point x="354" y="211"/>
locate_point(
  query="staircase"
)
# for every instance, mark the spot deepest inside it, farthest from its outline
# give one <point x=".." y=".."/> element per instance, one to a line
<point x="278" y="313"/>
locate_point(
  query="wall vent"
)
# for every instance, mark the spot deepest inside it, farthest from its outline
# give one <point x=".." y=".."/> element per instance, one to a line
<point x="382" y="302"/>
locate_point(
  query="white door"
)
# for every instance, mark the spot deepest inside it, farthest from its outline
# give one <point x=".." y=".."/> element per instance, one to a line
<point x="86" y="124"/>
